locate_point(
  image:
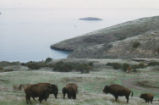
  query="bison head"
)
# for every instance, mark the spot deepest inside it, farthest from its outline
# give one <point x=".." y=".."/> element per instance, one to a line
<point x="141" y="96"/>
<point x="54" y="90"/>
<point x="64" y="91"/>
<point x="106" y="89"/>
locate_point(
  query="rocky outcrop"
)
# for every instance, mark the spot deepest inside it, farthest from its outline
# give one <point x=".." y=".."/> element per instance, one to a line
<point x="91" y="19"/>
<point x="117" y="41"/>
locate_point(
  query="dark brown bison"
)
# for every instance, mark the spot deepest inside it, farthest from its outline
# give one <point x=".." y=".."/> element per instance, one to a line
<point x="118" y="90"/>
<point x="71" y="90"/>
<point x="148" y="97"/>
<point x="40" y="90"/>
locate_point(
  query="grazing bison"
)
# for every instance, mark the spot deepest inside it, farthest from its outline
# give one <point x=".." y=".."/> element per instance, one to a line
<point x="40" y="90"/>
<point x="71" y="90"/>
<point x="118" y="90"/>
<point x="148" y="97"/>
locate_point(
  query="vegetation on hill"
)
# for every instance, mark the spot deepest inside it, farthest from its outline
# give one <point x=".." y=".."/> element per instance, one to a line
<point x="137" y="38"/>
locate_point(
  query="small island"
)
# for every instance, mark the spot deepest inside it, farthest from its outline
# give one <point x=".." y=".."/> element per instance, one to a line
<point x="90" y="19"/>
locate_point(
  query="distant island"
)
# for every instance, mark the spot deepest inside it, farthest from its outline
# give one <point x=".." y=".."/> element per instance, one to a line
<point x="90" y="19"/>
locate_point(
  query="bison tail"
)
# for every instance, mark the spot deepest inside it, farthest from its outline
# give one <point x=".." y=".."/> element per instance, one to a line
<point x="132" y="93"/>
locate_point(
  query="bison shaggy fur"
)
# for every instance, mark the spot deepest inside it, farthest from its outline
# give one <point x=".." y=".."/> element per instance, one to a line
<point x="148" y="97"/>
<point x="71" y="90"/>
<point x="40" y="90"/>
<point x="118" y="90"/>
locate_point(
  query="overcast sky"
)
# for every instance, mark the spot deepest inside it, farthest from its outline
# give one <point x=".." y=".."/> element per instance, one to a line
<point x="79" y="4"/>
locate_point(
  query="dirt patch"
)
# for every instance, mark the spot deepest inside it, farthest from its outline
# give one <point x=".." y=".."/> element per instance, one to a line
<point x="74" y="79"/>
<point x="134" y="83"/>
<point x="3" y="88"/>
<point x="146" y="84"/>
<point x="80" y="79"/>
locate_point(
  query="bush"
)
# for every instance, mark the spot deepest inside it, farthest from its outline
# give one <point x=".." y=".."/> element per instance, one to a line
<point x="153" y="63"/>
<point x="63" y="67"/>
<point x="6" y="63"/>
<point x="157" y="50"/>
<point x="84" y="68"/>
<point x="69" y="66"/>
<point x="35" y="65"/>
<point x="115" y="65"/>
<point x="140" y="65"/>
<point x="48" y="60"/>
<point x="125" y="66"/>
<point x="1" y="69"/>
<point x="136" y="44"/>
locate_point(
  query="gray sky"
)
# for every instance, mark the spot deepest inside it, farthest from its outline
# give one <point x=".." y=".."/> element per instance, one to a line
<point x="79" y="4"/>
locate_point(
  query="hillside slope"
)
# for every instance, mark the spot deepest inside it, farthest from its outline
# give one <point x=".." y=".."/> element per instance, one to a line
<point x="100" y="43"/>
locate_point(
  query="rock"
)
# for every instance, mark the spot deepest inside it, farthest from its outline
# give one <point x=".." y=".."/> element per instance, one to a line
<point x="91" y="19"/>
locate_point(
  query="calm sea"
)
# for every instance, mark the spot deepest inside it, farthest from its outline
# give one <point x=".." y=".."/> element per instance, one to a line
<point x="26" y="34"/>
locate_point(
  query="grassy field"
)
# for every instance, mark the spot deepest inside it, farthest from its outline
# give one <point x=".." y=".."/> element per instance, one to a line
<point x="90" y="86"/>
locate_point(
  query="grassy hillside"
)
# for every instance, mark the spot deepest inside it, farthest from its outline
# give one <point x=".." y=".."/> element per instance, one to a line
<point x="90" y="86"/>
<point x="96" y="44"/>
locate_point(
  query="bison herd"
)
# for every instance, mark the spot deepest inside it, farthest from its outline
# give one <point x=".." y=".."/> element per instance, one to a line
<point x="43" y="90"/>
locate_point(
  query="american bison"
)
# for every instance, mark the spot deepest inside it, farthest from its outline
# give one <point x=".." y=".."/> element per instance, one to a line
<point x="148" y="97"/>
<point x="118" y="90"/>
<point x="40" y="90"/>
<point x="71" y="90"/>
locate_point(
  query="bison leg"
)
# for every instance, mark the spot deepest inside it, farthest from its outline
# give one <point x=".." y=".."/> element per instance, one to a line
<point x="28" y="99"/>
<point x="151" y="100"/>
<point x="116" y="98"/>
<point x="55" y="95"/>
<point x="64" y="96"/>
<point x="34" y="99"/>
<point x="69" y="96"/>
<point x="74" y="96"/>
<point x="146" y="100"/>
<point x="127" y="98"/>
<point x="40" y="99"/>
<point x="46" y="97"/>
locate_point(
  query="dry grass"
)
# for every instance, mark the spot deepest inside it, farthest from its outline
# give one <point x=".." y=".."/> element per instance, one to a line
<point x="90" y="87"/>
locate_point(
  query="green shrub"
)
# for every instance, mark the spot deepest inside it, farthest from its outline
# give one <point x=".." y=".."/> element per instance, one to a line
<point x="90" y="63"/>
<point x="1" y="69"/>
<point x="140" y="65"/>
<point x="5" y="70"/>
<point x="35" y="65"/>
<point x="153" y="63"/>
<point x="125" y="66"/>
<point x="48" y="60"/>
<point x="84" y="68"/>
<point x="157" y="50"/>
<point x="71" y="66"/>
<point x="63" y="67"/>
<point x="6" y="63"/>
<point x="115" y="65"/>
<point x="136" y="44"/>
